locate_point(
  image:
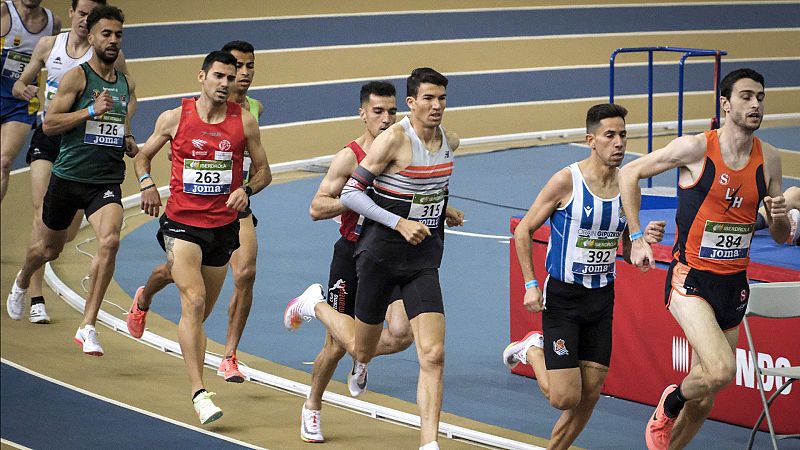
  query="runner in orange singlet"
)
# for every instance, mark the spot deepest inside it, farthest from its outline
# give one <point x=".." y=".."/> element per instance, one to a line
<point x="724" y="176"/>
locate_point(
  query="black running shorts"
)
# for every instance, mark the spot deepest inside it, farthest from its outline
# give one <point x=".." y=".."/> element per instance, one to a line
<point x="217" y="244"/>
<point x="576" y="324"/>
<point x="64" y="198"/>
<point x="43" y="146"/>
<point x="419" y="289"/>
<point x="343" y="279"/>
<point x="727" y="294"/>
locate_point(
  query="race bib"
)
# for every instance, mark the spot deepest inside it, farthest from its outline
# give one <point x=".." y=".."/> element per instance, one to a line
<point x="427" y="208"/>
<point x="595" y="252"/>
<point x="14" y="65"/>
<point x="107" y="130"/>
<point x="207" y="177"/>
<point x="722" y="240"/>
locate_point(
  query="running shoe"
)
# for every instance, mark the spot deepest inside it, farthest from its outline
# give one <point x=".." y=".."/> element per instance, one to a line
<point x="136" y="318"/>
<point x="87" y="337"/>
<point x="39" y="314"/>
<point x="357" y="379"/>
<point x="659" y="427"/>
<point x="311" y="425"/>
<point x="15" y="299"/>
<point x="206" y="410"/>
<point x="517" y="351"/>
<point x="794" y="228"/>
<point x="301" y="308"/>
<point x="229" y="369"/>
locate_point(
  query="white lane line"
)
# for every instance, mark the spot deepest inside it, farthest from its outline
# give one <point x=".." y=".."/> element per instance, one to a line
<point x="448" y="11"/>
<point x="126" y="406"/>
<point x="477" y="235"/>
<point x="13" y="444"/>
<point x="481" y="40"/>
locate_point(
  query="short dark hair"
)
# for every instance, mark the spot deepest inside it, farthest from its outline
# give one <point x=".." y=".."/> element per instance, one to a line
<point x="242" y="46"/>
<point x="379" y="88"/>
<point x="218" y="56"/>
<point x="423" y="75"/>
<point x="603" y="111"/>
<point x="104" y="12"/>
<point x="726" y="87"/>
<point x="75" y="3"/>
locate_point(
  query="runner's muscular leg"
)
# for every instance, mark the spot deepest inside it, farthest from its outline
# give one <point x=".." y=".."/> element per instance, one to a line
<point x="429" y="331"/>
<point x="243" y="263"/>
<point x="107" y="224"/>
<point x="717" y="365"/>
<point x="324" y="366"/>
<point x="185" y="259"/>
<point x="695" y="412"/>
<point x="572" y="421"/>
<point x="12" y="137"/>
<point x="397" y="336"/>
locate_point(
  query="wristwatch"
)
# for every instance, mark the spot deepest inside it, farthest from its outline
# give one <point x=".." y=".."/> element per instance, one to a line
<point x="247" y="190"/>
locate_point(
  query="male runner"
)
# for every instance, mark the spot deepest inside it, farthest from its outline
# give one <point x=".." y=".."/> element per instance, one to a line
<point x="200" y="227"/>
<point x="378" y="112"/>
<point x="243" y="260"/>
<point x="55" y="54"/>
<point x="90" y="111"/>
<point x="724" y="175"/>
<point x="22" y="24"/>
<point x="410" y="164"/>
<point x="571" y="356"/>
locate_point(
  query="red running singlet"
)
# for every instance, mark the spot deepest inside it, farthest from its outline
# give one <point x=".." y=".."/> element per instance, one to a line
<point x="206" y="167"/>
<point x="352" y="221"/>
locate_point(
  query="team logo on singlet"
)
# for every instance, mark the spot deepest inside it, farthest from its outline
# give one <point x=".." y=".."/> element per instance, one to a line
<point x="560" y="347"/>
<point x="17" y="41"/>
<point x="724" y="179"/>
<point x="57" y="60"/>
<point x="224" y="145"/>
<point x="198" y="143"/>
<point x="733" y="200"/>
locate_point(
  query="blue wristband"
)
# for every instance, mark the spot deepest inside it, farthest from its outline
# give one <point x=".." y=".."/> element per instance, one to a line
<point x="530" y="284"/>
<point x="143" y="177"/>
<point x="91" y="111"/>
<point x="637" y="235"/>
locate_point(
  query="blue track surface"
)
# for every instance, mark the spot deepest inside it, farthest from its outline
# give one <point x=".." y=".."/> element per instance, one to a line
<point x="71" y="420"/>
<point x="371" y="29"/>
<point x="294" y="252"/>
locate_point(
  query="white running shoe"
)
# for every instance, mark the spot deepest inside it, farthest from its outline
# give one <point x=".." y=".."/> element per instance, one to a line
<point x="206" y="410"/>
<point x="517" y="351"/>
<point x="15" y="299"/>
<point x="39" y="314"/>
<point x="357" y="380"/>
<point x="301" y="308"/>
<point x="311" y="425"/>
<point x="87" y="337"/>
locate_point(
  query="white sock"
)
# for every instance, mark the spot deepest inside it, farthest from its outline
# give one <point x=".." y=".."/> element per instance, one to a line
<point x="433" y="445"/>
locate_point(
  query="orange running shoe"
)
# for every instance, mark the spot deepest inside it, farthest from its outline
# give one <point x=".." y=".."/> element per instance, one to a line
<point x="229" y="369"/>
<point x="136" y="317"/>
<point x="659" y="427"/>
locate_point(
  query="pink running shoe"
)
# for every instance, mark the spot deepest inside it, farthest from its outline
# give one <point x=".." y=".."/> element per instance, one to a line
<point x="659" y="427"/>
<point x="136" y="317"/>
<point x="229" y="369"/>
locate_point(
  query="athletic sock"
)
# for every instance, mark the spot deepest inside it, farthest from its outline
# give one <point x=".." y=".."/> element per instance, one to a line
<point x="37" y="300"/>
<point x="674" y="402"/>
<point x="197" y="393"/>
<point x="761" y="222"/>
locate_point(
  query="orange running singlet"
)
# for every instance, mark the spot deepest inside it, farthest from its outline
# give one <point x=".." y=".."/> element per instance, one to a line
<point x="716" y="215"/>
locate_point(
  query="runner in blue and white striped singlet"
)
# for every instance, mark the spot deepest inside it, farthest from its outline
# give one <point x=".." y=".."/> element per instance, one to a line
<point x="584" y="236"/>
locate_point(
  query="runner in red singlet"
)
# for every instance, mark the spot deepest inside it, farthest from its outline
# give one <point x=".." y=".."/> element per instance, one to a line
<point x="200" y="227"/>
